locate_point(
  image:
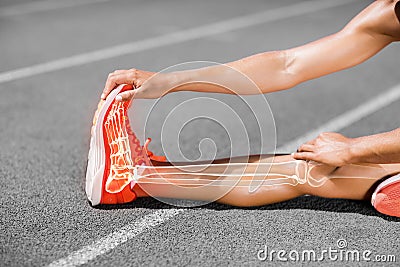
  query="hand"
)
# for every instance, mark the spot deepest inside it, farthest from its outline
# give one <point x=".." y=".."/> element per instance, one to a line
<point x="329" y="148"/>
<point x="145" y="87"/>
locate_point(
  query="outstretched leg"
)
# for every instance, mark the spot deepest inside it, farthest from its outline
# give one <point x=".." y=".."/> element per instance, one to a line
<point x="350" y="182"/>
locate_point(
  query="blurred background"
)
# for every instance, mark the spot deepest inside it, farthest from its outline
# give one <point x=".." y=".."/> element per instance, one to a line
<point x="54" y="59"/>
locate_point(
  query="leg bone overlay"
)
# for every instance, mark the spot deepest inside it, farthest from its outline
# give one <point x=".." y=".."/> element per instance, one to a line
<point x="254" y="174"/>
<point x="229" y="174"/>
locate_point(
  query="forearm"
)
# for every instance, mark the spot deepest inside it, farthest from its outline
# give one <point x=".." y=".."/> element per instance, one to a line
<point x="260" y="73"/>
<point x="379" y="148"/>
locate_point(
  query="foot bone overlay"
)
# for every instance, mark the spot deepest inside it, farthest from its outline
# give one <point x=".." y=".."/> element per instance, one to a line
<point x="121" y="164"/>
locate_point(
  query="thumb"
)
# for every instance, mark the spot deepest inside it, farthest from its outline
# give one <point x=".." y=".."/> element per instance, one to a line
<point x="126" y="96"/>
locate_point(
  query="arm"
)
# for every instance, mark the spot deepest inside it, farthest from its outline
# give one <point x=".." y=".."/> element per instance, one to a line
<point x="368" y="33"/>
<point x="362" y="38"/>
<point x="338" y="150"/>
<point x="378" y="148"/>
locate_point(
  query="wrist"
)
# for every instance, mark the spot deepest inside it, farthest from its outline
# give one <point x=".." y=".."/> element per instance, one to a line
<point x="358" y="150"/>
<point x="177" y="79"/>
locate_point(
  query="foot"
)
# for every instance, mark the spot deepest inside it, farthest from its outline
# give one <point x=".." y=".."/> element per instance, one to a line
<point x="386" y="198"/>
<point x="114" y="153"/>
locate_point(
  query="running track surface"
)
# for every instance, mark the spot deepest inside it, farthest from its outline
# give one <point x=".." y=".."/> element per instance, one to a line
<point x="45" y="121"/>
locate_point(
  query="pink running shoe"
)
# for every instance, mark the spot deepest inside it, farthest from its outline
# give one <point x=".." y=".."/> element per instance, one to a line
<point x="386" y="198"/>
<point x="114" y="152"/>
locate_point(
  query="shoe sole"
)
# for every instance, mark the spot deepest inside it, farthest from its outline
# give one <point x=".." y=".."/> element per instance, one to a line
<point x="386" y="198"/>
<point x="98" y="168"/>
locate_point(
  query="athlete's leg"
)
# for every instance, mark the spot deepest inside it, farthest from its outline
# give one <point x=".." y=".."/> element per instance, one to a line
<point x="116" y="153"/>
<point x="233" y="189"/>
<point x="350" y="182"/>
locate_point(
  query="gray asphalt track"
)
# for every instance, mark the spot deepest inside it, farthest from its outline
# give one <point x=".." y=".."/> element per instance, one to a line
<point x="45" y="122"/>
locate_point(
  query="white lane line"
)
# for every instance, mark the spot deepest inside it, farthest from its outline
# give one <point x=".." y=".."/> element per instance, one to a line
<point x="109" y="242"/>
<point x="240" y="22"/>
<point x="347" y="118"/>
<point x="121" y="236"/>
<point x="45" y="5"/>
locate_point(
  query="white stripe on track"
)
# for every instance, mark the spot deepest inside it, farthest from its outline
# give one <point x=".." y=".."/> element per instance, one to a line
<point x="45" y="5"/>
<point x="347" y="118"/>
<point x="109" y="242"/>
<point x="116" y="238"/>
<point x="241" y="22"/>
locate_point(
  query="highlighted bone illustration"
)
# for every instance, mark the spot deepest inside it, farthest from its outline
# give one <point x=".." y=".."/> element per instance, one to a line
<point x="229" y="174"/>
<point x="246" y="174"/>
<point x="121" y="160"/>
<point x="129" y="164"/>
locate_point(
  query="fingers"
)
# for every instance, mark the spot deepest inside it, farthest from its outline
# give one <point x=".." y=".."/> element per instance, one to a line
<point x="306" y="148"/>
<point x="305" y="156"/>
<point x="306" y="151"/>
<point x="113" y="81"/>
<point x="116" y="78"/>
